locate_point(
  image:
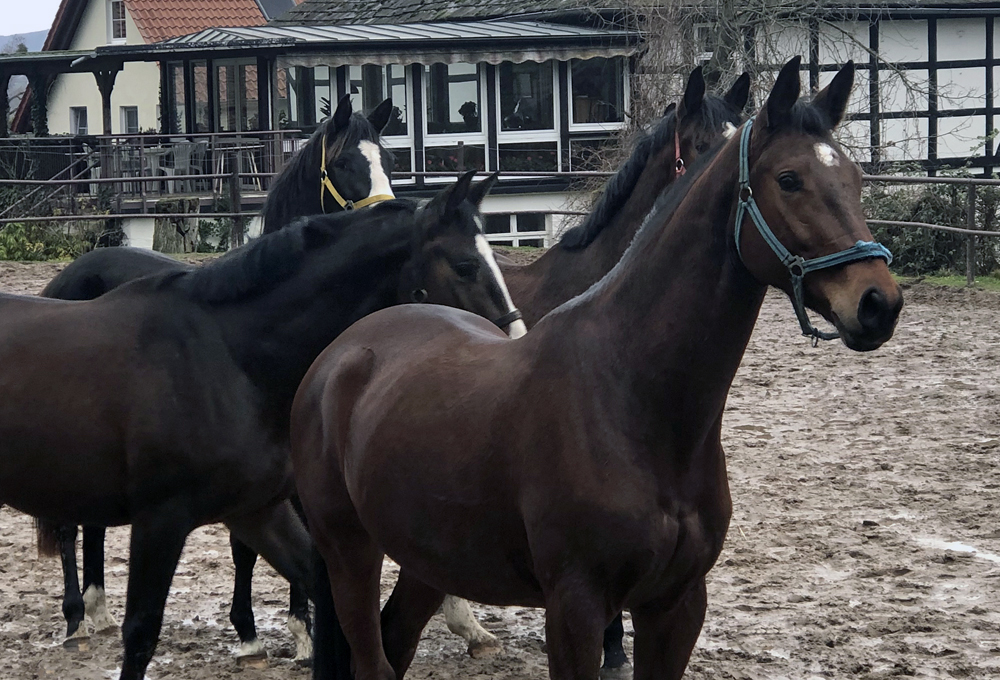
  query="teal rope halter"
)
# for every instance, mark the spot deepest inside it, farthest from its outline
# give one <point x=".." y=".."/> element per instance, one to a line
<point x="797" y="266"/>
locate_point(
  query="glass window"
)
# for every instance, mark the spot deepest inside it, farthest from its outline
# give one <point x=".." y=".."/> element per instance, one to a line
<point x="541" y="156"/>
<point x="454" y="99"/>
<point x="370" y="85"/>
<point x="530" y="222"/>
<point x="116" y="19"/>
<point x="78" y="120"/>
<point x="175" y="102"/>
<point x="526" y="101"/>
<point x="202" y="122"/>
<point x="130" y="120"/>
<point x="403" y="161"/>
<point x="455" y="158"/>
<point x="237" y="102"/>
<point x="598" y="90"/>
<point x="324" y="93"/>
<point x="496" y="224"/>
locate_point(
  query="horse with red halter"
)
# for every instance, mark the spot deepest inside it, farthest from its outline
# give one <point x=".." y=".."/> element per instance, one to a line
<point x="610" y="491"/>
<point x="588" y="251"/>
<point x="164" y="404"/>
<point x="343" y="166"/>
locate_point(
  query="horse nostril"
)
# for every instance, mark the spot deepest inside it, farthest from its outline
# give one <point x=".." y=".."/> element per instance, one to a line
<point x="874" y="312"/>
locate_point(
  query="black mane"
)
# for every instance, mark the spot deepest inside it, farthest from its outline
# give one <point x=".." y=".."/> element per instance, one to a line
<point x="713" y="114"/>
<point x="351" y="239"/>
<point x="296" y="191"/>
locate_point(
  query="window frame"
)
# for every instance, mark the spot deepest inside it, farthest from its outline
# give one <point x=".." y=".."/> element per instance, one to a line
<point x="440" y="140"/>
<point x="74" y="122"/>
<point x="507" y="137"/>
<point x="514" y="237"/>
<point x="393" y="142"/>
<point x="626" y="100"/>
<point x="123" y="114"/>
<point x="112" y="22"/>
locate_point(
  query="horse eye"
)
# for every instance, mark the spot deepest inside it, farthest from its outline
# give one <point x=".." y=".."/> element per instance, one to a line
<point x="341" y="164"/>
<point x="467" y="270"/>
<point x="789" y="181"/>
<point x="701" y="147"/>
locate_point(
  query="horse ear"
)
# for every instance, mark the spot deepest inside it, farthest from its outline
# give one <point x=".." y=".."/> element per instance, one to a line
<point x="379" y="118"/>
<point x="783" y="95"/>
<point x="694" y="94"/>
<point x="833" y="98"/>
<point x="739" y="93"/>
<point x="479" y="190"/>
<point x="459" y="191"/>
<point x="342" y="116"/>
<point x="670" y="107"/>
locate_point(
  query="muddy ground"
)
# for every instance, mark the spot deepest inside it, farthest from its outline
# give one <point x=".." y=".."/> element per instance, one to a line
<point x="865" y="540"/>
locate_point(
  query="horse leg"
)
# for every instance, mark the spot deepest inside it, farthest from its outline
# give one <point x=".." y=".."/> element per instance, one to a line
<point x="298" y="608"/>
<point x="664" y="638"/>
<point x="154" y="550"/>
<point x="616" y="666"/>
<point x="460" y="621"/>
<point x="93" y="581"/>
<point x="276" y="533"/>
<point x="404" y="616"/>
<point x="331" y="653"/>
<point x="72" y="607"/>
<point x="575" y="619"/>
<point x="241" y="611"/>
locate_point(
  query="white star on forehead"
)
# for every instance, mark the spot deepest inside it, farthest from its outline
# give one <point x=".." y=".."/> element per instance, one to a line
<point x="728" y="130"/>
<point x="826" y="155"/>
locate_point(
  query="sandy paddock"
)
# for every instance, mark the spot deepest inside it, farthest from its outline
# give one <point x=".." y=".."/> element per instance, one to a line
<point x="864" y="542"/>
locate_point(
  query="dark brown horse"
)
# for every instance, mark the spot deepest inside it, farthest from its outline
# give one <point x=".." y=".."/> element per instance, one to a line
<point x="164" y="404"/>
<point x="581" y="468"/>
<point x="587" y="252"/>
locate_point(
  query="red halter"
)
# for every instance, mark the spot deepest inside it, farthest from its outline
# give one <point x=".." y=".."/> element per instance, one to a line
<point x="679" y="168"/>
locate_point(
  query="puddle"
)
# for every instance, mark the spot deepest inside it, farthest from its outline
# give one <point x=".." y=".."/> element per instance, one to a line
<point x="956" y="546"/>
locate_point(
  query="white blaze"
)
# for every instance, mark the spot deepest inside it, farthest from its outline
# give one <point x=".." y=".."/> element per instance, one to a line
<point x="380" y="181"/>
<point x="826" y="155"/>
<point x="516" y="329"/>
<point x="728" y="130"/>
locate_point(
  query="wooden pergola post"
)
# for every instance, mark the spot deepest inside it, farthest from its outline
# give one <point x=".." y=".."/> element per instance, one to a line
<point x="106" y="84"/>
<point x="39" y="103"/>
<point x="4" y="104"/>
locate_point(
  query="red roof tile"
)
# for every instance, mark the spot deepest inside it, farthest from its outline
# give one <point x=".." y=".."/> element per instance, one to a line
<point x="162" y="19"/>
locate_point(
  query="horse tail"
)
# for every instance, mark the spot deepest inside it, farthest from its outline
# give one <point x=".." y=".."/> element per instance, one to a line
<point x="48" y="538"/>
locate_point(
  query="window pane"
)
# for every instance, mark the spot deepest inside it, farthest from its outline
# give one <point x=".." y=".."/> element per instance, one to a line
<point x="540" y="156"/>
<point x="526" y="96"/>
<point x="118" y="19"/>
<point x="527" y="222"/>
<point x="175" y="104"/>
<point x="453" y="99"/>
<point x="598" y="90"/>
<point x="496" y="224"/>
<point x="368" y="87"/>
<point x="322" y="91"/>
<point x="226" y="107"/>
<point x="455" y="159"/>
<point x="529" y="243"/>
<point x="202" y="123"/>
<point x="249" y="112"/>
<point x="78" y="120"/>
<point x="404" y="161"/>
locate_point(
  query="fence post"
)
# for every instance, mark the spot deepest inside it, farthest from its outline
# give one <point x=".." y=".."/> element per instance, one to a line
<point x="235" y="202"/>
<point x="970" y="239"/>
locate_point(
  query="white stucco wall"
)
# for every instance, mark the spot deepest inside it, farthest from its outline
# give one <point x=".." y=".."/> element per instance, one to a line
<point x="138" y="84"/>
<point x="554" y="224"/>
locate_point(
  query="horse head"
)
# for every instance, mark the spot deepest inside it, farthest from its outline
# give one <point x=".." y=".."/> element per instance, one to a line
<point x="703" y="120"/>
<point x="452" y="263"/>
<point x="802" y="192"/>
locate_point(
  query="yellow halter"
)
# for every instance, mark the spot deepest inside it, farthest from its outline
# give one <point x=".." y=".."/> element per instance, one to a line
<point x="327" y="186"/>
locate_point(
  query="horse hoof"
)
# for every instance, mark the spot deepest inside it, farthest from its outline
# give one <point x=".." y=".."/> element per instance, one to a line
<point x="77" y="643"/>
<point x="106" y="628"/>
<point x="252" y="660"/>
<point x="623" y="672"/>
<point x="484" y="649"/>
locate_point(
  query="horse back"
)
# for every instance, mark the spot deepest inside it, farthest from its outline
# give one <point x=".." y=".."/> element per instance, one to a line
<point x="95" y="273"/>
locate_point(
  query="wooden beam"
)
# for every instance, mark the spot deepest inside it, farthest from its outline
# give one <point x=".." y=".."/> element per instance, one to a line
<point x="4" y="104"/>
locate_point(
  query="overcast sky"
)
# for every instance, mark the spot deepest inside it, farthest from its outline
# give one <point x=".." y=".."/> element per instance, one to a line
<point x="27" y="16"/>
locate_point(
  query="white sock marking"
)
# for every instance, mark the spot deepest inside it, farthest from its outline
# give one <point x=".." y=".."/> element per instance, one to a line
<point x="460" y="621"/>
<point x="380" y="181"/>
<point x="252" y="648"/>
<point x="96" y="607"/>
<point x="826" y="155"/>
<point x="516" y="329"/>
<point x="303" y="643"/>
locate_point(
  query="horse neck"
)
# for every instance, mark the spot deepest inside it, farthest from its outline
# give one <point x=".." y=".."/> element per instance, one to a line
<point x="678" y="312"/>
<point x="562" y="274"/>
<point x="275" y="337"/>
<point x="295" y="196"/>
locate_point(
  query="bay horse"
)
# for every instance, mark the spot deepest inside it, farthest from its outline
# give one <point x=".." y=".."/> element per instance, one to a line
<point x="580" y="468"/>
<point x="588" y="251"/>
<point x="173" y="392"/>
<point x="343" y="166"/>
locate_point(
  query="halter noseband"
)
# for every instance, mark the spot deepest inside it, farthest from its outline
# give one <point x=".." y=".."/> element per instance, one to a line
<point x="325" y="185"/>
<point x="797" y="266"/>
<point x="503" y="322"/>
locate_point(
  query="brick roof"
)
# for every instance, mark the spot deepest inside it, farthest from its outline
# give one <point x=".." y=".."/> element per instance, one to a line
<point x="339" y="12"/>
<point x="162" y="19"/>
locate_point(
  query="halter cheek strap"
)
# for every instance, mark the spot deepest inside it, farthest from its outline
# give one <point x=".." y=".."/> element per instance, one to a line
<point x="797" y="266"/>
<point x="679" y="168"/>
<point x="325" y="185"/>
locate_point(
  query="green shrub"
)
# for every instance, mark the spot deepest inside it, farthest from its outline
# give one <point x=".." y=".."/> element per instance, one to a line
<point x="34" y="241"/>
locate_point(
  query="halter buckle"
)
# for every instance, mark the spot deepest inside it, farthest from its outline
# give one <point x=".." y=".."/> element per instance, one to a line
<point x="679" y="166"/>
<point x="746" y="193"/>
